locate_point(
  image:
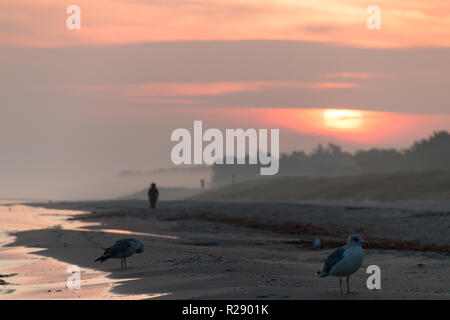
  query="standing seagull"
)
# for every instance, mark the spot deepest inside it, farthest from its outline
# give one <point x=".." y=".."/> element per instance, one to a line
<point x="122" y="249"/>
<point x="316" y="243"/>
<point x="344" y="261"/>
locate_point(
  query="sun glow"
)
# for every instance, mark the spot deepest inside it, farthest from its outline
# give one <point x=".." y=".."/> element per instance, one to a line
<point x="342" y="119"/>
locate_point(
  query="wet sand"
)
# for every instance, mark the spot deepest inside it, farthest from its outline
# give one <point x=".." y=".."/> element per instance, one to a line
<point x="210" y="250"/>
<point x="26" y="274"/>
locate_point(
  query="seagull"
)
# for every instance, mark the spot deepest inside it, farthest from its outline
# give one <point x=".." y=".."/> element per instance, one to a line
<point x="122" y="249"/>
<point x="316" y="243"/>
<point x="344" y="261"/>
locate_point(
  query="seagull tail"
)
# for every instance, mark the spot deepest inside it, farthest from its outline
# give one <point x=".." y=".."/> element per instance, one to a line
<point x="322" y="274"/>
<point x="102" y="258"/>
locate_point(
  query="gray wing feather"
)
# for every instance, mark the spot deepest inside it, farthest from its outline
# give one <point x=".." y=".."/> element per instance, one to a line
<point x="119" y="247"/>
<point x="333" y="258"/>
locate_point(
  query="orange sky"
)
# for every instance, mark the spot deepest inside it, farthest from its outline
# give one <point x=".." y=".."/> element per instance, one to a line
<point x="361" y="126"/>
<point x="351" y="128"/>
<point x="404" y="23"/>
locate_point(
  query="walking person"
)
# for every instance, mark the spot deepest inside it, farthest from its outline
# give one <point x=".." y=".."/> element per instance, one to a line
<point x="153" y="195"/>
<point x="202" y="183"/>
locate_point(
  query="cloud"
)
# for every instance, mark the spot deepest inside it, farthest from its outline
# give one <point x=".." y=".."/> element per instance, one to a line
<point x="351" y="75"/>
<point x="123" y="78"/>
<point x="42" y="23"/>
<point x="319" y="28"/>
<point x="168" y="92"/>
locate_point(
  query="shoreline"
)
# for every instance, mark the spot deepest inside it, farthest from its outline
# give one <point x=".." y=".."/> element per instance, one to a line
<point x="29" y="275"/>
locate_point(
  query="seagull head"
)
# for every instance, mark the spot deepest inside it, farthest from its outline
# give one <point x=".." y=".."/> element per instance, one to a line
<point x="355" y="240"/>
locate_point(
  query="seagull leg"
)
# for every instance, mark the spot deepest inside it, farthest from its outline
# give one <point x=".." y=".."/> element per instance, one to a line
<point x="340" y="285"/>
<point x="125" y="260"/>
<point x="121" y="263"/>
<point x="348" y="284"/>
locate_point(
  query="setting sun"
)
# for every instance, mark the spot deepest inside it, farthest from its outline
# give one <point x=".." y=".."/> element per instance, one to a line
<point x="342" y="119"/>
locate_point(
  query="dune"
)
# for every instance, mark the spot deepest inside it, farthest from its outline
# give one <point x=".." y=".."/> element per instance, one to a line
<point x="434" y="185"/>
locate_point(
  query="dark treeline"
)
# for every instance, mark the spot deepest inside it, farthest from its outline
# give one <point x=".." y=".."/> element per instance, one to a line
<point x="424" y="155"/>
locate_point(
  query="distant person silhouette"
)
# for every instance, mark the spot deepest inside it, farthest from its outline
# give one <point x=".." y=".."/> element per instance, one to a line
<point x="153" y="195"/>
<point x="202" y="183"/>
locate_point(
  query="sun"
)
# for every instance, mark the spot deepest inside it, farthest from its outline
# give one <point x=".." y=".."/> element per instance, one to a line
<point x="343" y="119"/>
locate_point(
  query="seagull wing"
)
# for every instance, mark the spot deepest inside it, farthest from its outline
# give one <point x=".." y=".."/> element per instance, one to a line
<point x="119" y="247"/>
<point x="332" y="259"/>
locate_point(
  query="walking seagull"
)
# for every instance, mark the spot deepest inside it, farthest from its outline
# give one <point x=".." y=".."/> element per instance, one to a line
<point x="122" y="249"/>
<point x="344" y="261"/>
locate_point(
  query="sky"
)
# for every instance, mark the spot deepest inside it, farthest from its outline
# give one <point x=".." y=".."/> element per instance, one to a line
<point x="78" y="107"/>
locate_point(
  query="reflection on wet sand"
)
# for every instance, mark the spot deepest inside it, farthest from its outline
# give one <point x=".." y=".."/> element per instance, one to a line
<point x="26" y="275"/>
<point x="130" y="233"/>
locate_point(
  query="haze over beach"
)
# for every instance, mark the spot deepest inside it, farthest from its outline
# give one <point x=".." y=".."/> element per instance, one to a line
<point x="84" y="105"/>
<point x="87" y="116"/>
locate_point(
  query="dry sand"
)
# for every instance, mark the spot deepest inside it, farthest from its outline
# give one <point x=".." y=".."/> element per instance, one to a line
<point x="219" y="250"/>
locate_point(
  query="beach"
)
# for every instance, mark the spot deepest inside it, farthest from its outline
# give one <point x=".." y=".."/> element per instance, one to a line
<point x="219" y="250"/>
